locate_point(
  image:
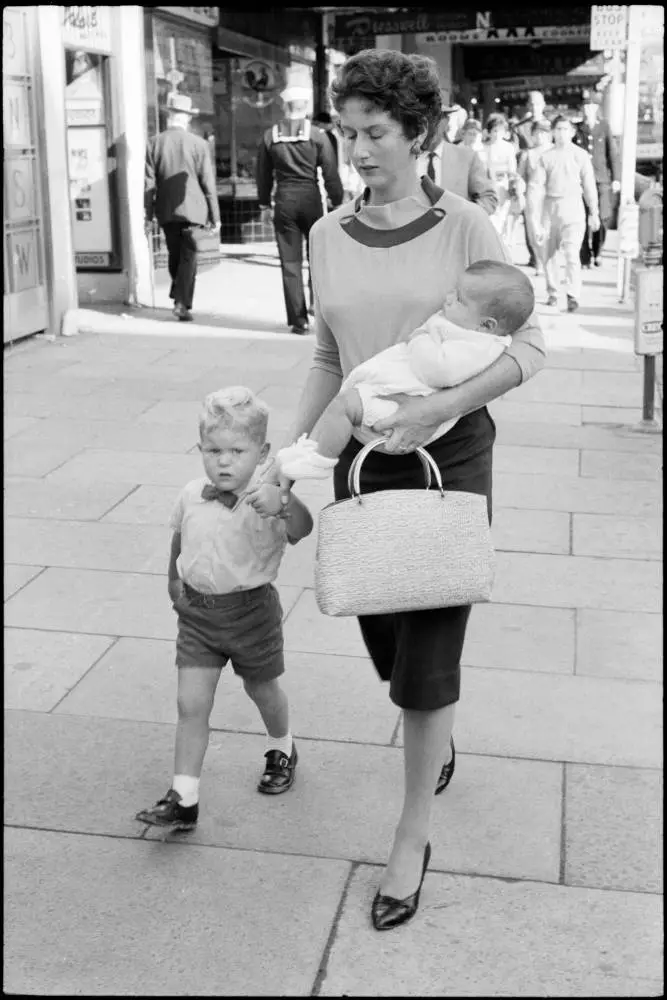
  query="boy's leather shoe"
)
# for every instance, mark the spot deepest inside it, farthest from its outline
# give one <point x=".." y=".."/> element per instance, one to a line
<point x="169" y="812"/>
<point x="279" y="772"/>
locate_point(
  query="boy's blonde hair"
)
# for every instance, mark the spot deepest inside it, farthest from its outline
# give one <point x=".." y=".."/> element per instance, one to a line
<point x="235" y="408"/>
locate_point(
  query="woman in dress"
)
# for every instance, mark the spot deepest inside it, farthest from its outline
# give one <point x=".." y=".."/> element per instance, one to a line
<point x="500" y="159"/>
<point x="382" y="264"/>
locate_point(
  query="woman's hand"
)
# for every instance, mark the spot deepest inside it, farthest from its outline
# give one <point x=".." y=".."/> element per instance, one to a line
<point x="412" y="424"/>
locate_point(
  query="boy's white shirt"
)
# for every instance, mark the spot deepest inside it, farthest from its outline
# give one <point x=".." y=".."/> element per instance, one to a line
<point x="438" y="355"/>
<point x="225" y="550"/>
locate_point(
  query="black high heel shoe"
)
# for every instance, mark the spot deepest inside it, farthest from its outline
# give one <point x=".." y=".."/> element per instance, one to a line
<point x="387" y="912"/>
<point x="447" y="771"/>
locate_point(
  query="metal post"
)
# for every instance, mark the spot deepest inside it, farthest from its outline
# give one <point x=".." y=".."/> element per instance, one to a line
<point x="629" y="139"/>
<point x="648" y="409"/>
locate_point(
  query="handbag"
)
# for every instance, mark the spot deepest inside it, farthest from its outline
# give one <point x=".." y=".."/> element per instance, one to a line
<point x="207" y="242"/>
<point x="402" y="550"/>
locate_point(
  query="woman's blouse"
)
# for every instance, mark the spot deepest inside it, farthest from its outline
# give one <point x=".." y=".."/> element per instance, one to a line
<point x="500" y="159"/>
<point x="369" y="297"/>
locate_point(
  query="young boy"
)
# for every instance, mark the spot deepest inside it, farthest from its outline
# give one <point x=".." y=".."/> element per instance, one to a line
<point x="491" y="302"/>
<point x="224" y="559"/>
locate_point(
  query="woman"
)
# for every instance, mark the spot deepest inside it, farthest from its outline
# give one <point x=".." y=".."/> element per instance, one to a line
<point x="500" y="159"/>
<point x="471" y="135"/>
<point x="540" y="134"/>
<point x="381" y="265"/>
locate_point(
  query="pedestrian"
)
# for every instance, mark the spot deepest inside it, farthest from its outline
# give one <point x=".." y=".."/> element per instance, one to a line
<point x="564" y="182"/>
<point x="475" y="325"/>
<point x="522" y="131"/>
<point x="224" y="559"/>
<point x="456" y="168"/>
<point x="500" y="160"/>
<point x="528" y="171"/>
<point x="471" y="134"/>
<point x="595" y="137"/>
<point x="290" y="154"/>
<point x="180" y="190"/>
<point x="381" y="266"/>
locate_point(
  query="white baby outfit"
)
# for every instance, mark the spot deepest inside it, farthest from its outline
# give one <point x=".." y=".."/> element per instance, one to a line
<point x="438" y="355"/>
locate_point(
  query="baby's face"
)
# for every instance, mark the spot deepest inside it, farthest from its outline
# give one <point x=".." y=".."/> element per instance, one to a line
<point x="461" y="305"/>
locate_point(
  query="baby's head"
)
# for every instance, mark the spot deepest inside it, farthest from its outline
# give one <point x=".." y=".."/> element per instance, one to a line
<point x="492" y="297"/>
<point x="232" y="431"/>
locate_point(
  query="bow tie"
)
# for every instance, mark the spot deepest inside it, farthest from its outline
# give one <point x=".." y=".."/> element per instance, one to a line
<point x="211" y="492"/>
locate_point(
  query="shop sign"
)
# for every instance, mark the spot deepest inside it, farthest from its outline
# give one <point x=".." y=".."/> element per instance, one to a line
<point x="87" y="28"/>
<point x="16" y="118"/>
<point x="209" y="16"/>
<point x="503" y="36"/>
<point x="89" y="189"/>
<point x="609" y="27"/>
<point x="432" y="22"/>
<point x="92" y="259"/>
<point x="24" y="257"/>
<point x="649" y="313"/>
<point x="14" y="43"/>
<point x="20" y="205"/>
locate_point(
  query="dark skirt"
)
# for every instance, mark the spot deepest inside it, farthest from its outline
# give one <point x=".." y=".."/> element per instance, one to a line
<point x="419" y="652"/>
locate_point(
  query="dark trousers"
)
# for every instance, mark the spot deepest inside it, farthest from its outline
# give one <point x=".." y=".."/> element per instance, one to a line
<point x="297" y="210"/>
<point x="181" y="240"/>
<point x="593" y="243"/>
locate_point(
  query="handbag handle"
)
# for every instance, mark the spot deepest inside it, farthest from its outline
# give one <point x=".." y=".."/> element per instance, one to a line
<point x="354" y="475"/>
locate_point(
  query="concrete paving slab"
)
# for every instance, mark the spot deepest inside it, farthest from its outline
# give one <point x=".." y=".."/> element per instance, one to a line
<point x="331" y="697"/>
<point x="551" y="385"/>
<point x="155" y="904"/>
<point x="613" y="823"/>
<point x="609" y="438"/>
<point x="101" y="406"/>
<point x="98" y="602"/>
<point x="623" y="537"/>
<point x="344" y="803"/>
<point x="520" y="459"/>
<point x="578" y="582"/>
<point x="476" y="937"/>
<point x="309" y="631"/>
<point x="31" y="454"/>
<point x="626" y="416"/>
<point x="611" y="389"/>
<point x="118" y="436"/>
<point x="531" y="530"/>
<point x="619" y="644"/>
<point x="15" y="425"/>
<point x="43" y="383"/>
<point x="580" y="360"/>
<point x="183" y="413"/>
<point x="620" y="465"/>
<point x="81" y="544"/>
<point x="512" y="637"/>
<point x="298" y="563"/>
<point x="554" y="717"/>
<point x="104" y="465"/>
<point x="41" y="667"/>
<point x="145" y="505"/>
<point x="554" y="413"/>
<point x="16" y="577"/>
<point x="583" y="496"/>
<point x="42" y="498"/>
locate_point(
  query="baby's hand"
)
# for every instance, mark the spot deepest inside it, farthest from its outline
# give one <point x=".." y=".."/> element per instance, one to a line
<point x="265" y="499"/>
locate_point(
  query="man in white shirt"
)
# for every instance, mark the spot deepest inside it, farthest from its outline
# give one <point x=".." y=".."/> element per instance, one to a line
<point x="458" y="169"/>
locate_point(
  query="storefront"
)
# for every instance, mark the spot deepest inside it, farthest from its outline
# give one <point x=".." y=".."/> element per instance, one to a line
<point x="25" y="300"/>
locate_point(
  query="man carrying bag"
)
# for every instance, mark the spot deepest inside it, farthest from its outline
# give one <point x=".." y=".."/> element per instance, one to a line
<point x="180" y="190"/>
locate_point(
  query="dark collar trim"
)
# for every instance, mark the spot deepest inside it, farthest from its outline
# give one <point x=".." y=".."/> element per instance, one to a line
<point x="371" y="237"/>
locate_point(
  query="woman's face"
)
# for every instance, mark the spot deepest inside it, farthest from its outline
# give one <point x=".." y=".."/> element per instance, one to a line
<point x="497" y="132"/>
<point x="375" y="143"/>
<point x="469" y="137"/>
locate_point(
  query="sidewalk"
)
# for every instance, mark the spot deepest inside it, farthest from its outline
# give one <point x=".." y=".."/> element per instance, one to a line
<point x="546" y="874"/>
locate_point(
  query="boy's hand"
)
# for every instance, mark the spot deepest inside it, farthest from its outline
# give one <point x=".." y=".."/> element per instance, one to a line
<point x="266" y="499"/>
<point x="175" y="590"/>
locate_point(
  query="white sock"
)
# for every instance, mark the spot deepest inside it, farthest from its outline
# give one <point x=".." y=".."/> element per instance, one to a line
<point x="282" y="743"/>
<point x="187" y="787"/>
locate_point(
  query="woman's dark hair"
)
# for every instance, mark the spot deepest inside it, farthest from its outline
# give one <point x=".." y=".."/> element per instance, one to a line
<point x="560" y="118"/>
<point x="495" y="119"/>
<point x="406" y="87"/>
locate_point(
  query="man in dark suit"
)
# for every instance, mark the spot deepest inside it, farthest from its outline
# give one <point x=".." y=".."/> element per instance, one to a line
<point x="594" y="135"/>
<point x="180" y="190"/>
<point x="458" y="169"/>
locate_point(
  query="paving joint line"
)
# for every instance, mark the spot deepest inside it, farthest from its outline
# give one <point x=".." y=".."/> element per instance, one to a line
<point x="322" y="970"/>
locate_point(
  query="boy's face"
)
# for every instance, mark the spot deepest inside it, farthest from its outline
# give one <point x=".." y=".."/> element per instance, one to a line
<point x="230" y="458"/>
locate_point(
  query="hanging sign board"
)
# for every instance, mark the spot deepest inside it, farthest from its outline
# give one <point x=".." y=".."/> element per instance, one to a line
<point x="609" y="27"/>
<point x="89" y="195"/>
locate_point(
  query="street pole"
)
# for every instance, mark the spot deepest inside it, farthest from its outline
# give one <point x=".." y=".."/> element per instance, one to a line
<point x="629" y="142"/>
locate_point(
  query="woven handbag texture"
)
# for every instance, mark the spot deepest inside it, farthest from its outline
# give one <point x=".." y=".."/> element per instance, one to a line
<point x="403" y="550"/>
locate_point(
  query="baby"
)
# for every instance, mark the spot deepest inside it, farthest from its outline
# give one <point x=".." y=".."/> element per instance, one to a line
<point x="492" y="300"/>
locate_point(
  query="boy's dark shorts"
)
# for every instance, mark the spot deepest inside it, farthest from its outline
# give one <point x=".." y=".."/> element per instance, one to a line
<point x="245" y="627"/>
